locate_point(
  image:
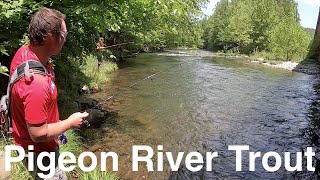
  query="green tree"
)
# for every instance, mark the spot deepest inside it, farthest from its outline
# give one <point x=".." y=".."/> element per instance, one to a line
<point x="218" y="21"/>
<point x="237" y="32"/>
<point x="249" y="26"/>
<point x="289" y="41"/>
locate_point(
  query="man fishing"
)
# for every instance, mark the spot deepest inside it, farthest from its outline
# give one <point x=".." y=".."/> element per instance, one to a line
<point x="33" y="102"/>
<point x="100" y="47"/>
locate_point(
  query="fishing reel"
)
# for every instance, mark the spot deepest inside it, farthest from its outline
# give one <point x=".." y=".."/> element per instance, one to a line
<point x="85" y="123"/>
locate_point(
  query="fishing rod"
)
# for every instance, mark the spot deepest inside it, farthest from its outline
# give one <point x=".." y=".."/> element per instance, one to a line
<point x="107" y="47"/>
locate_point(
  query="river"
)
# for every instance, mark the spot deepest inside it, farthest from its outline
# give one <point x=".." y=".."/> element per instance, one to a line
<point x="205" y="104"/>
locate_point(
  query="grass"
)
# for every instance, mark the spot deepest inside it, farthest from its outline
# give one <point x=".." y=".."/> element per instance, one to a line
<point x="74" y="146"/>
<point x="19" y="171"/>
<point x="97" y="76"/>
<point x="96" y="174"/>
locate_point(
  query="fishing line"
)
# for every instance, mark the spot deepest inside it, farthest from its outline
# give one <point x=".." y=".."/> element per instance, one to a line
<point x="155" y="107"/>
<point x="138" y="82"/>
<point x="86" y="123"/>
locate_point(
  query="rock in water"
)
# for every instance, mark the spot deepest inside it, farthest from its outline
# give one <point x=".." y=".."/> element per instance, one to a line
<point x="87" y="103"/>
<point x="96" y="117"/>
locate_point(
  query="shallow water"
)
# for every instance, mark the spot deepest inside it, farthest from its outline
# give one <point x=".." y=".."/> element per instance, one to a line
<point x="205" y="104"/>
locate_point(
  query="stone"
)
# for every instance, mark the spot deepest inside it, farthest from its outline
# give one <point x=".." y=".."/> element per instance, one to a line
<point x="96" y="117"/>
<point x="87" y="103"/>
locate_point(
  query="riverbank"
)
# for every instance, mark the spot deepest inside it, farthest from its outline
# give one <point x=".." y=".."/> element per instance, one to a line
<point x="304" y="66"/>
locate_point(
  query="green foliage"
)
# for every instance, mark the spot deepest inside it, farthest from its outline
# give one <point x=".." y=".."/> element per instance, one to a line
<point x="97" y="174"/>
<point x="74" y="146"/>
<point x="20" y="172"/>
<point x="310" y="32"/>
<point x="138" y="20"/>
<point x="289" y="41"/>
<point x="74" y="143"/>
<point x="215" y="26"/>
<point x="156" y="24"/>
<point x="238" y="30"/>
<point x="249" y="26"/>
<point x="4" y="70"/>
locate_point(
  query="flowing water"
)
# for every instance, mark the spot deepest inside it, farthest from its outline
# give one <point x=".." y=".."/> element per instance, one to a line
<point x="205" y="104"/>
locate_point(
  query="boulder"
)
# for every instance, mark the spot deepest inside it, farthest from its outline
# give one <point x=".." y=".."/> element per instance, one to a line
<point x="87" y="103"/>
<point x="96" y="117"/>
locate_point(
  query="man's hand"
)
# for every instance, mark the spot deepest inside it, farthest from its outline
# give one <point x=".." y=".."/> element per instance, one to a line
<point x="99" y="48"/>
<point x="76" y="119"/>
<point x="45" y="132"/>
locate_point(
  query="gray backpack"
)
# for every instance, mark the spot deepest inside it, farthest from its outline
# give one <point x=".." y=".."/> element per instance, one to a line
<point x="22" y="70"/>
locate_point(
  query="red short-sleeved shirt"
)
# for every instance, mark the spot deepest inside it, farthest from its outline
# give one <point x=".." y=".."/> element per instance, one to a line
<point x="33" y="101"/>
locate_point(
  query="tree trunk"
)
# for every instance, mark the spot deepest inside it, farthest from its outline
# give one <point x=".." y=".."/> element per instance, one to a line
<point x="318" y="26"/>
<point x="317" y="33"/>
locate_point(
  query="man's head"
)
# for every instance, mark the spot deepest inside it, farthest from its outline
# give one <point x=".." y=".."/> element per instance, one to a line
<point x="48" y="28"/>
<point x="101" y="39"/>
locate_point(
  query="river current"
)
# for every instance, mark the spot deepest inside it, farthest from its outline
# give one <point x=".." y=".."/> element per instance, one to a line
<point x="205" y="104"/>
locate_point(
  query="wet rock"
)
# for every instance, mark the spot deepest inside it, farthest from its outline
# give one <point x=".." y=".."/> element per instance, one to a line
<point x="315" y="140"/>
<point x="317" y="168"/>
<point x="87" y="103"/>
<point x="96" y="117"/>
<point x="73" y="106"/>
<point x="86" y="90"/>
<point x="311" y="68"/>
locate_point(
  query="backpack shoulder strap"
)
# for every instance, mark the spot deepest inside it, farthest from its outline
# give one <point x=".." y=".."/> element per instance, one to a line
<point x="20" y="71"/>
<point x="24" y="70"/>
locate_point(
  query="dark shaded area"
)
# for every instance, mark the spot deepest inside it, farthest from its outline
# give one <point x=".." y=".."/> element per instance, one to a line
<point x="314" y="52"/>
<point x="183" y="173"/>
<point x="5" y="61"/>
<point x="312" y="133"/>
<point x="308" y="66"/>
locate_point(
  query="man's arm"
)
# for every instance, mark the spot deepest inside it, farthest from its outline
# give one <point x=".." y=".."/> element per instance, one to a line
<point x="35" y="99"/>
<point x="100" y="46"/>
<point x="45" y="132"/>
